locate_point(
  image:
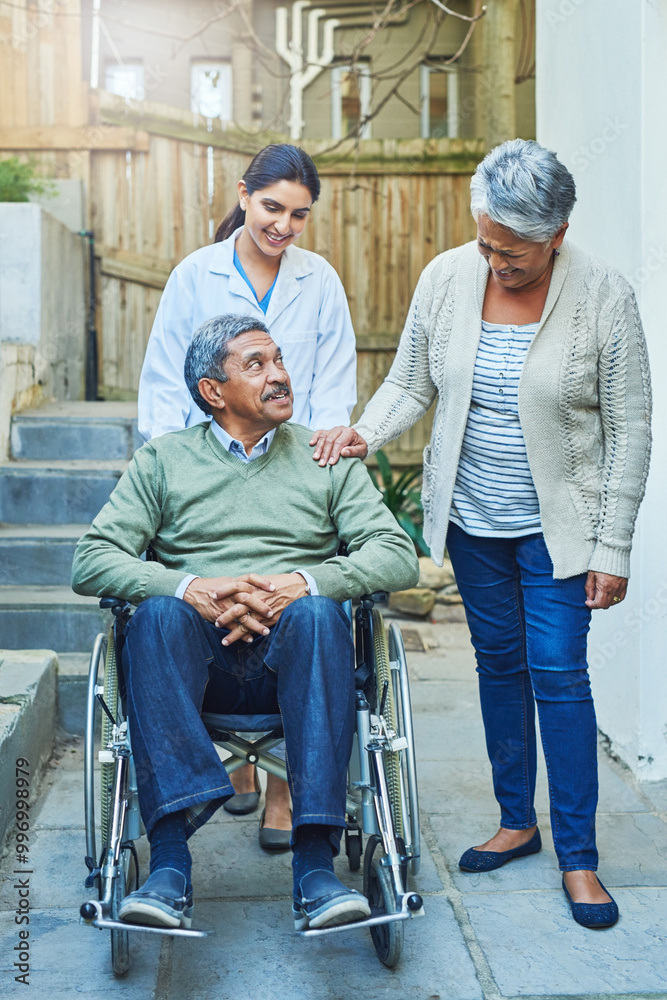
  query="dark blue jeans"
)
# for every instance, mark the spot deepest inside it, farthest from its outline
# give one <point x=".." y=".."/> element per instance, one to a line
<point x="175" y="667"/>
<point x="529" y="632"/>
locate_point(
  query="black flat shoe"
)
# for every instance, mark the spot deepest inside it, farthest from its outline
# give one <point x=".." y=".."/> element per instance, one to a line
<point x="273" y="840"/>
<point x="487" y="861"/>
<point x="244" y="802"/>
<point x="593" y="915"/>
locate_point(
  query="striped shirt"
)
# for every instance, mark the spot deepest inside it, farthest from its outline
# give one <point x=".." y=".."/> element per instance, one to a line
<point x="494" y="493"/>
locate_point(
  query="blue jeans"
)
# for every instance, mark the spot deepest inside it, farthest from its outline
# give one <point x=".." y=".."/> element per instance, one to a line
<point x="529" y="632"/>
<point x="175" y="667"/>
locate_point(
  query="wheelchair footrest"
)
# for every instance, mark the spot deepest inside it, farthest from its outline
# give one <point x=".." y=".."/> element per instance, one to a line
<point x="120" y="925"/>
<point x="376" y="917"/>
<point x="105" y="924"/>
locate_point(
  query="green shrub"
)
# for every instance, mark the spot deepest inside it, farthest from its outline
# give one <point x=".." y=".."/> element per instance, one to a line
<point x="402" y="496"/>
<point x="18" y="181"/>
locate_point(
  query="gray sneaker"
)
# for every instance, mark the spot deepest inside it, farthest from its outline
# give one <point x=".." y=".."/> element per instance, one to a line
<point x="164" y="900"/>
<point x="326" y="902"/>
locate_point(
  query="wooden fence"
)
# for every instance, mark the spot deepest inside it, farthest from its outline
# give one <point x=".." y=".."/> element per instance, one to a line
<point x="159" y="179"/>
<point x="380" y="218"/>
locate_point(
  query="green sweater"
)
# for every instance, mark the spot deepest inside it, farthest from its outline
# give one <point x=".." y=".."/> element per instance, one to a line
<point x="206" y="512"/>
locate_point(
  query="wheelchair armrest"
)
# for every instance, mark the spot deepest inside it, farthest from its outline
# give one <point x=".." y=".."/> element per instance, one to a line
<point x="377" y="597"/>
<point x="117" y="605"/>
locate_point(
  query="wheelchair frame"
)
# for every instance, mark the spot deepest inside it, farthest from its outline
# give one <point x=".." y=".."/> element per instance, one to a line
<point x="382" y="797"/>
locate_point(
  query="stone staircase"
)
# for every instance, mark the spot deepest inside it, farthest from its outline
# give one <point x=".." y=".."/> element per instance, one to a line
<point x="65" y="460"/>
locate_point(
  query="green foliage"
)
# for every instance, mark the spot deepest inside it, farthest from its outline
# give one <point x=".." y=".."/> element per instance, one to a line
<point x="402" y="496"/>
<point x="18" y="181"/>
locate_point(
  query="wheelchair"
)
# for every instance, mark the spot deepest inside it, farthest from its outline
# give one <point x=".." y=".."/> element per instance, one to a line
<point x="382" y="799"/>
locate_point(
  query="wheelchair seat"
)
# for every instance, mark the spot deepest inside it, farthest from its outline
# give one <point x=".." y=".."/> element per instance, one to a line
<point x="242" y="723"/>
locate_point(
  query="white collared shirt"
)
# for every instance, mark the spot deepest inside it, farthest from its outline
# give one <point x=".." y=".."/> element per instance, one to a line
<point x="237" y="448"/>
<point x="308" y="317"/>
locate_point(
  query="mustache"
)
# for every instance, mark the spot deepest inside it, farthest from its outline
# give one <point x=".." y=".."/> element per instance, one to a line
<point x="276" y="391"/>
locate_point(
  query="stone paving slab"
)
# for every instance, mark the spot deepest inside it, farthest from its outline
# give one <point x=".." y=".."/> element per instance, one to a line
<point x="70" y="959"/>
<point x="539" y="871"/>
<point x="62" y="804"/>
<point x="455" y="733"/>
<point x="632" y="849"/>
<point x="56" y="859"/>
<point x="463" y="786"/>
<point x="230" y="863"/>
<point x="535" y="948"/>
<point x="505" y="934"/>
<point x="251" y="958"/>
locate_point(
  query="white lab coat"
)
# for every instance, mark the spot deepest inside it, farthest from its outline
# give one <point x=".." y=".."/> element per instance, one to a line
<point x="308" y="317"/>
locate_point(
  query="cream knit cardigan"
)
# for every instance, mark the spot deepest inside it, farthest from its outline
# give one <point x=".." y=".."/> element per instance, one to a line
<point x="584" y="402"/>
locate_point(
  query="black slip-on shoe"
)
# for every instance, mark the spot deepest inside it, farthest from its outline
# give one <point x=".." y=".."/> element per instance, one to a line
<point x="164" y="900"/>
<point x="243" y="803"/>
<point x="593" y="915"/>
<point x="326" y="902"/>
<point x="486" y="861"/>
<point x="271" y="839"/>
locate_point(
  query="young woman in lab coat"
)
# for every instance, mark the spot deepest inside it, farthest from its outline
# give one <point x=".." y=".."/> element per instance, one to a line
<point x="254" y="268"/>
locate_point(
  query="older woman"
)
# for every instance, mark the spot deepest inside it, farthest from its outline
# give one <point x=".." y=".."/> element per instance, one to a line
<point x="532" y="480"/>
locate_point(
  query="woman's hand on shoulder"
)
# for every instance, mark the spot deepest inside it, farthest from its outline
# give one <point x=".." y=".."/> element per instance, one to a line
<point x="330" y="445"/>
<point x="604" y="590"/>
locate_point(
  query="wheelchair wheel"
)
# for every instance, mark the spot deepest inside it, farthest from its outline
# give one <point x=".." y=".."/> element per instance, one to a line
<point x="104" y="653"/>
<point x="97" y="658"/>
<point x="383" y="676"/>
<point x="107" y="770"/>
<point x="387" y="938"/>
<point x="120" y="943"/>
<point x="120" y="948"/>
<point x="410" y="813"/>
<point x="400" y="768"/>
<point x="353" y="849"/>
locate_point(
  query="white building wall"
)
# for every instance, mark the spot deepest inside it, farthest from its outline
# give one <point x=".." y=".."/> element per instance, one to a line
<point x="601" y="86"/>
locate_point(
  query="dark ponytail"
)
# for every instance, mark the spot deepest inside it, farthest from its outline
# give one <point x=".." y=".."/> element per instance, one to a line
<point x="278" y="162"/>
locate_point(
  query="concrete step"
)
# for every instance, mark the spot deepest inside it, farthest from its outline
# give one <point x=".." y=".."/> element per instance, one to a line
<point x="76" y="430"/>
<point x="56" y="492"/>
<point x="38" y="554"/>
<point x="27" y="722"/>
<point x="49" y="618"/>
<point x="73" y="691"/>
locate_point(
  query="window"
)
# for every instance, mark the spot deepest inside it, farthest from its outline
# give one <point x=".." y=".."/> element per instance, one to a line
<point x="126" y="79"/>
<point x="350" y="99"/>
<point x="439" y="101"/>
<point x="211" y="90"/>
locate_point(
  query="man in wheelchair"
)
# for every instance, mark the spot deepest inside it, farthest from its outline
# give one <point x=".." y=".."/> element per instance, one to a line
<point x="240" y="613"/>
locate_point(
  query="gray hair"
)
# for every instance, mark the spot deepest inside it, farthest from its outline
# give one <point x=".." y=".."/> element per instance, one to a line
<point x="209" y="349"/>
<point x="524" y="187"/>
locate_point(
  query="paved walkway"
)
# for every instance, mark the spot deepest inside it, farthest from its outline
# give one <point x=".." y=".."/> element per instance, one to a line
<point x="506" y="934"/>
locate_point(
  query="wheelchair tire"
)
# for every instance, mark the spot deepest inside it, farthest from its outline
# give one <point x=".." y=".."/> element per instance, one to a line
<point x="120" y="940"/>
<point x="107" y="770"/>
<point x="410" y="830"/>
<point x="353" y="850"/>
<point x="98" y="656"/>
<point x="392" y="763"/>
<point x="387" y="938"/>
